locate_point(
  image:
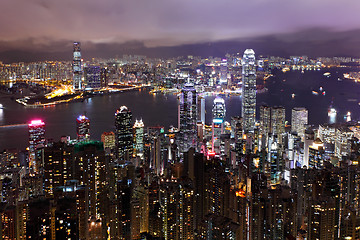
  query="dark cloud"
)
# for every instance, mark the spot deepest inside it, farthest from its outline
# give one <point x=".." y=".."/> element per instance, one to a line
<point x="311" y="42"/>
<point x="159" y="22"/>
<point x="38" y="25"/>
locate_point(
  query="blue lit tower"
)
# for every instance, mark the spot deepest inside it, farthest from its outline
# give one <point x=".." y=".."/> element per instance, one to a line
<point x="83" y="128"/>
<point x="123" y="133"/>
<point x="77" y="68"/>
<point x="187" y="118"/>
<point x="248" y="105"/>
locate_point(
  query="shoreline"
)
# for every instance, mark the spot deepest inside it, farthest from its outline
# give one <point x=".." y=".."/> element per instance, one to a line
<point x="75" y="97"/>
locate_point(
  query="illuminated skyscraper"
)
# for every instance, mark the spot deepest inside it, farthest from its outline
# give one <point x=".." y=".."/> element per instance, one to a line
<point x="123" y="133"/>
<point x="278" y="121"/>
<point x="138" y="130"/>
<point x="77" y="68"/>
<point x="83" y="128"/>
<point x="223" y="72"/>
<point x="265" y="120"/>
<point x="187" y="118"/>
<point x="92" y="77"/>
<point x="248" y="105"/>
<point x="218" y="114"/>
<point x="299" y="118"/>
<point x="36" y="140"/>
<point x="219" y="110"/>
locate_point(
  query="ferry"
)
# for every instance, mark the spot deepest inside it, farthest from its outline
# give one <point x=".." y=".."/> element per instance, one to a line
<point x="286" y="69"/>
<point x="332" y="112"/>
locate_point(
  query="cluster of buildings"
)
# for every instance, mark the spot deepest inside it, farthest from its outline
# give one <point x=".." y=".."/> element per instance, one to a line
<point x="247" y="179"/>
<point x="165" y="75"/>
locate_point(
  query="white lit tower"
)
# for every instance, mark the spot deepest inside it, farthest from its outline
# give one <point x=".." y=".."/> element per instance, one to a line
<point x="36" y="140"/>
<point x="138" y="131"/>
<point x="123" y="133"/>
<point x="218" y="114"/>
<point x="77" y="68"/>
<point x="187" y="118"/>
<point x="248" y="105"/>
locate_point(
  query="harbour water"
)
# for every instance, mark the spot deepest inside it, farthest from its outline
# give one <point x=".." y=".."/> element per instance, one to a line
<point x="290" y="89"/>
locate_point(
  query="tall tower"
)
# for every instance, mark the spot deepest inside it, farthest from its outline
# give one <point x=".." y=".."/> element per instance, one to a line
<point x="123" y="133"/>
<point x="83" y="128"/>
<point x="265" y="120"/>
<point x="218" y="114"/>
<point x="36" y="140"/>
<point x="138" y="130"/>
<point x="248" y="104"/>
<point x="299" y="118"/>
<point x="77" y="68"/>
<point x="278" y="121"/>
<point x="188" y="118"/>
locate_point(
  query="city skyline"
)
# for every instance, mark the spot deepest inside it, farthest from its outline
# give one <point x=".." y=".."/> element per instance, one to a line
<point x="229" y="120"/>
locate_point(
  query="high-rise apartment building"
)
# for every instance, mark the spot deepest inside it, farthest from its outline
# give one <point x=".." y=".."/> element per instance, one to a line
<point x="77" y="67"/>
<point x="123" y="133"/>
<point x="187" y="118"/>
<point x="299" y="118"/>
<point x="248" y="105"/>
<point x="108" y="139"/>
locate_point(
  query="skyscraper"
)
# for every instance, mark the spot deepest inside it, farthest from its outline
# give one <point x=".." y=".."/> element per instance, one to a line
<point x="123" y="133"/>
<point x="92" y="77"/>
<point x="218" y="114"/>
<point x="77" y="68"/>
<point x="83" y="128"/>
<point x="219" y="109"/>
<point x="299" y="118"/>
<point x="248" y="105"/>
<point x="278" y="121"/>
<point x="265" y="119"/>
<point x="36" y="140"/>
<point x="138" y="129"/>
<point x="187" y="117"/>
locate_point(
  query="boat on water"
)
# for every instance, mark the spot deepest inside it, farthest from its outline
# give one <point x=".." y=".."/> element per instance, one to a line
<point x="286" y="69"/>
<point x="332" y="112"/>
<point x="315" y="93"/>
<point x="327" y="74"/>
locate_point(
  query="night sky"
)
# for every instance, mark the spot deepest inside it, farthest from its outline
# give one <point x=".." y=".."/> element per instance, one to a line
<point x="32" y="29"/>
